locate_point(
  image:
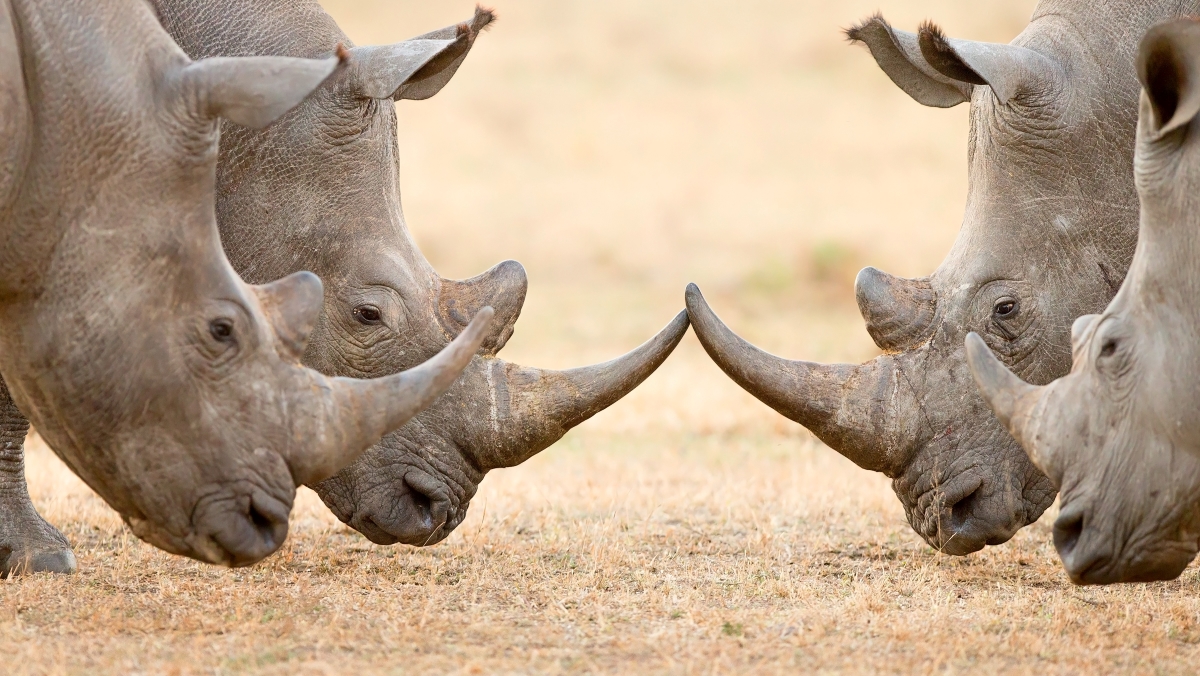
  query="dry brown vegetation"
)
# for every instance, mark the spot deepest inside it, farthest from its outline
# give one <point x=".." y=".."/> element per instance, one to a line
<point x="621" y="149"/>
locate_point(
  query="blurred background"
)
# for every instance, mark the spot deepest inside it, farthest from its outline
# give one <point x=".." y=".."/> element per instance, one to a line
<point x="622" y="149"/>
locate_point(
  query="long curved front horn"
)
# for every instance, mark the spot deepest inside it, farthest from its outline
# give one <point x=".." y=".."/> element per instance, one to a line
<point x="1012" y="400"/>
<point x="846" y="406"/>
<point x="530" y="409"/>
<point x="354" y="414"/>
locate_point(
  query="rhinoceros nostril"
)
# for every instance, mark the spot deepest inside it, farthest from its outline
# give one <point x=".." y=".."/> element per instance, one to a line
<point x="245" y="528"/>
<point x="422" y="504"/>
<point x="964" y="509"/>
<point x="261" y="521"/>
<point x="1068" y="527"/>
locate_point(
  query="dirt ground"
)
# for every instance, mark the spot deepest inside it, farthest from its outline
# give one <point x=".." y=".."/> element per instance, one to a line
<point x="621" y="149"/>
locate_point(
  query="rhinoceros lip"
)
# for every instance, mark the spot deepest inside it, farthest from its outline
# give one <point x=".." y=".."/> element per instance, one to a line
<point x="237" y="524"/>
<point x="417" y="506"/>
<point x="1152" y="563"/>
<point x="931" y="511"/>
<point x="1140" y="559"/>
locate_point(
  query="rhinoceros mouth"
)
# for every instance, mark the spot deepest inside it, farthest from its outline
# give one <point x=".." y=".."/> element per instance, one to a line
<point x="402" y="492"/>
<point x="233" y="525"/>
<point x="238" y="526"/>
<point x="416" y="510"/>
<point x="1140" y="562"/>
<point x="1095" y="551"/>
<point x="962" y="509"/>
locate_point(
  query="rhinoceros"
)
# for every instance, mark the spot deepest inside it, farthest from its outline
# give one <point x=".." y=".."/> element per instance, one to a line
<point x="1119" y="434"/>
<point x="1049" y="230"/>
<point x="166" y="383"/>
<point x="319" y="190"/>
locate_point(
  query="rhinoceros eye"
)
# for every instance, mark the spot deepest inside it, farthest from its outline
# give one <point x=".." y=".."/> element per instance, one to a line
<point x="367" y="314"/>
<point x="221" y="329"/>
<point x="1005" y="308"/>
<point x="1108" y="348"/>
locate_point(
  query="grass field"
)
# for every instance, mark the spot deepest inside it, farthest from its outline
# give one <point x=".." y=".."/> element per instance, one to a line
<point x="621" y="149"/>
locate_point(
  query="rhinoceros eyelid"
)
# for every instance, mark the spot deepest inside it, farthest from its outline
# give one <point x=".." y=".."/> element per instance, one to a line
<point x="221" y="329"/>
<point x="368" y="314"/>
<point x="1108" y="348"/>
<point x="1006" y="308"/>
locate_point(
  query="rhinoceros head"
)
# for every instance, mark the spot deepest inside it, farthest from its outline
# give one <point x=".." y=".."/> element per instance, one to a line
<point x="1119" y="434"/>
<point x="320" y="191"/>
<point x="1049" y="228"/>
<point x="169" y="385"/>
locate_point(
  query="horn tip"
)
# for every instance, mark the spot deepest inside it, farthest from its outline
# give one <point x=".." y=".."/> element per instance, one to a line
<point x="976" y="347"/>
<point x="484" y="316"/>
<point x="679" y="325"/>
<point x="979" y="356"/>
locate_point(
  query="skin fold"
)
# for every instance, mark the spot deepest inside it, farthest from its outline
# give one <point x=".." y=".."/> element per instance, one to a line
<point x="1119" y="434"/>
<point x="1048" y="234"/>
<point x="169" y="385"/>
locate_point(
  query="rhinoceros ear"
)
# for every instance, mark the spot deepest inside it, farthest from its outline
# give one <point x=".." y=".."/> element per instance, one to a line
<point x="899" y="55"/>
<point x="416" y="68"/>
<point x="1168" y="65"/>
<point x="253" y="91"/>
<point x="1011" y="72"/>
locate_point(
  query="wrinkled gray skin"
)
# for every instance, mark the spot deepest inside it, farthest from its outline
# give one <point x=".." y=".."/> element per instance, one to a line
<point x="1119" y="435"/>
<point x="166" y="383"/>
<point x="320" y="191"/>
<point x="1049" y="230"/>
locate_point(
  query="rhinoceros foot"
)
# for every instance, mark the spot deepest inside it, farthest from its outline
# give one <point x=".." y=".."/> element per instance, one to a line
<point x="28" y="544"/>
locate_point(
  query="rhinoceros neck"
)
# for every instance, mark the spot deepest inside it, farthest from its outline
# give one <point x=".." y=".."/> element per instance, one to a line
<point x="299" y="28"/>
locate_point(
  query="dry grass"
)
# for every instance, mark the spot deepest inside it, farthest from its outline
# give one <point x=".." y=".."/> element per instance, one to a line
<point x="621" y="149"/>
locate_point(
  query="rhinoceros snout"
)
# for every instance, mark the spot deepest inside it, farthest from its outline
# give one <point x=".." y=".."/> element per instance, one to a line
<point x="1086" y="558"/>
<point x="239" y="527"/>
<point x="1091" y="555"/>
<point x="974" y="519"/>
<point x="962" y="512"/>
<point x="417" y="511"/>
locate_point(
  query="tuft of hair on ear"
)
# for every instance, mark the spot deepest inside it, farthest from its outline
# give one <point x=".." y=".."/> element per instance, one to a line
<point x="854" y="34"/>
<point x="342" y="53"/>
<point x="935" y="35"/>
<point x="936" y="49"/>
<point x="484" y="18"/>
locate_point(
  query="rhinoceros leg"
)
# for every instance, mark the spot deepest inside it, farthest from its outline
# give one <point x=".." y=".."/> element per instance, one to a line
<point x="27" y="542"/>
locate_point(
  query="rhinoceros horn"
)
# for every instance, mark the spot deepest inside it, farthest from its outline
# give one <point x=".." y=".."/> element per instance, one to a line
<point x="353" y="414"/>
<point x="846" y="406"/>
<point x="502" y="288"/>
<point x="536" y="407"/>
<point x="542" y="404"/>
<point x="1012" y="400"/>
<point x="899" y="312"/>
